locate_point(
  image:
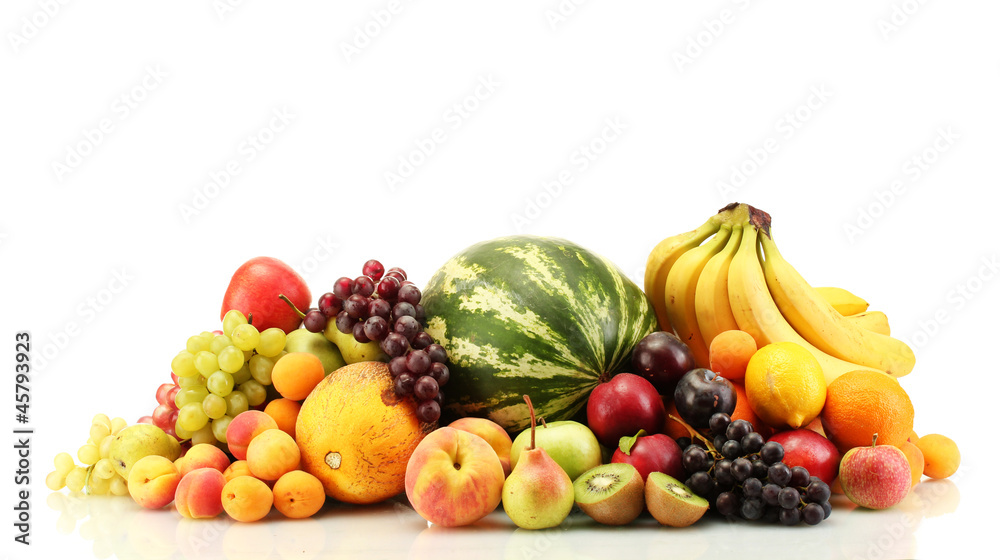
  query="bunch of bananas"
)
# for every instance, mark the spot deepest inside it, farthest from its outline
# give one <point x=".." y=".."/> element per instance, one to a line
<point x="728" y="274"/>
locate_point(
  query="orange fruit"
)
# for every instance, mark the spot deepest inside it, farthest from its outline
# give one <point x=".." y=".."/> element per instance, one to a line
<point x="743" y="411"/>
<point x="785" y="385"/>
<point x="356" y="434"/>
<point x="860" y="404"/>
<point x="295" y="374"/>
<point x="730" y="352"/>
<point x="672" y="427"/>
<point x="941" y="455"/>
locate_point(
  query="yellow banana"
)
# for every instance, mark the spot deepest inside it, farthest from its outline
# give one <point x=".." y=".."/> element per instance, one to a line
<point x="875" y="321"/>
<point x="679" y="293"/>
<point x="819" y="323"/>
<point x="711" y="296"/>
<point x="843" y="301"/>
<point x="756" y="312"/>
<point x="662" y="259"/>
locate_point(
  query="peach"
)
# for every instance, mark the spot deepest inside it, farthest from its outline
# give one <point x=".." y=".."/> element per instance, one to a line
<point x="298" y="494"/>
<point x="493" y="433"/>
<point x="199" y="494"/>
<point x="202" y="455"/>
<point x="237" y="468"/>
<point x="246" y="498"/>
<point x="454" y="478"/>
<point x="153" y="481"/>
<point x="271" y="454"/>
<point x="244" y="427"/>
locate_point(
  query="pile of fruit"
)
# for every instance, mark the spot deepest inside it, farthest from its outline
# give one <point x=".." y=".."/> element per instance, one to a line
<point x="727" y="384"/>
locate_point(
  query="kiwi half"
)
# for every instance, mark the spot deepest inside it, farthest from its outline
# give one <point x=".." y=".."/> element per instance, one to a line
<point x="611" y="494"/>
<point x="672" y="503"/>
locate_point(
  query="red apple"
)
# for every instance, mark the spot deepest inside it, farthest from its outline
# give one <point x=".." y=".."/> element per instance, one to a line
<point x="255" y="288"/>
<point x="875" y="477"/>
<point x="806" y="448"/>
<point x="655" y="453"/>
<point x="623" y="406"/>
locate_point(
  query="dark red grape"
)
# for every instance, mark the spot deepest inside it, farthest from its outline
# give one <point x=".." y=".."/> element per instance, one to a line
<point x="425" y="388"/>
<point x="440" y="396"/>
<point x="752" y="508"/>
<point x="388" y="288"/>
<point x="409" y="293"/>
<point x="376" y="328"/>
<point x="407" y="326"/>
<point x="379" y="308"/>
<point x="359" y="333"/>
<point x="812" y="514"/>
<point x="343" y="287"/>
<point x="428" y="411"/>
<point x="727" y="503"/>
<point x="731" y="449"/>
<point x="373" y="269"/>
<point x="395" y="345"/>
<point x="789" y="516"/>
<point x="718" y="423"/>
<point x="437" y="353"/>
<point x="314" y="321"/>
<point x="418" y="362"/>
<point x="741" y="468"/>
<point x="345" y="323"/>
<point x="800" y="477"/>
<point x="403" y="309"/>
<point x="752" y="442"/>
<point x="770" y="493"/>
<point x="788" y="498"/>
<point x="404" y="384"/>
<point x="356" y="306"/>
<point x="419" y="313"/>
<point x="817" y="491"/>
<point x="396" y="271"/>
<point x="779" y="473"/>
<point x="440" y="373"/>
<point x="738" y="428"/>
<point x="421" y="340"/>
<point x="772" y="452"/>
<point x="752" y="487"/>
<point x="364" y="286"/>
<point x="397" y="366"/>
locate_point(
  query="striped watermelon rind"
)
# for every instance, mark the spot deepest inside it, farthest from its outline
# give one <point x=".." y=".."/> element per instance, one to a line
<point x="532" y="315"/>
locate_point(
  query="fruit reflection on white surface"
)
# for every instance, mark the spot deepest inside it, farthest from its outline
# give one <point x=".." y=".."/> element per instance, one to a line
<point x="118" y="528"/>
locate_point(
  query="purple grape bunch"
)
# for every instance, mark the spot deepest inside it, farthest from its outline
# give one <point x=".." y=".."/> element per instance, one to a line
<point x="383" y="306"/>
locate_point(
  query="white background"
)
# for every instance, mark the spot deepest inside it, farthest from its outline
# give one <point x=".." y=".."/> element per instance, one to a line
<point x="843" y="97"/>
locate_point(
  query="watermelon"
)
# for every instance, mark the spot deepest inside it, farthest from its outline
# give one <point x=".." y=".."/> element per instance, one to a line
<point x="537" y="316"/>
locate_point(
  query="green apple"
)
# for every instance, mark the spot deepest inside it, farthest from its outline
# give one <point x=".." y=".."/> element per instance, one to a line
<point x="301" y="340"/>
<point x="352" y="350"/>
<point x="571" y="444"/>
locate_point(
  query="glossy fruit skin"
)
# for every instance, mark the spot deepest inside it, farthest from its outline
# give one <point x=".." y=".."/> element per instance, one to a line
<point x="806" y="448"/>
<point x="532" y="315"/>
<point x="655" y="453"/>
<point x="662" y="359"/>
<point x="623" y="406"/>
<point x="254" y="288"/>
<point x="701" y="393"/>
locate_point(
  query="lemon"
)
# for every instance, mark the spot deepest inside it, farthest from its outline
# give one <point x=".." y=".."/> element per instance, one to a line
<point x="785" y="385"/>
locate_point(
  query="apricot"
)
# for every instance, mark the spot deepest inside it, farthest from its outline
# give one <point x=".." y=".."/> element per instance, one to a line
<point x="244" y="427"/>
<point x="730" y="352"/>
<point x="298" y="494"/>
<point x="271" y="454"/>
<point x="200" y="456"/>
<point x="285" y="412"/>
<point x="237" y="468"/>
<point x="941" y="456"/>
<point x="246" y="498"/>
<point x="198" y="493"/>
<point x="296" y="373"/>
<point x="153" y="481"/>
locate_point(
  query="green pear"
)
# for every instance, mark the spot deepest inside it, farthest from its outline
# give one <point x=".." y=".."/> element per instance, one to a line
<point x="137" y="441"/>
<point x="570" y="444"/>
<point x="538" y="494"/>
<point x="352" y="350"/>
<point x="301" y="340"/>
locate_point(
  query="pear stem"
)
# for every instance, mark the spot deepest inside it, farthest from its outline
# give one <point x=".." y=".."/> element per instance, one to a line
<point x="531" y="411"/>
<point x="542" y="420"/>
<point x="285" y="299"/>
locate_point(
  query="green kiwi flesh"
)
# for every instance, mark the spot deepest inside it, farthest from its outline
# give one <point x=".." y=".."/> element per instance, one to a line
<point x="610" y="494"/>
<point x="671" y="502"/>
